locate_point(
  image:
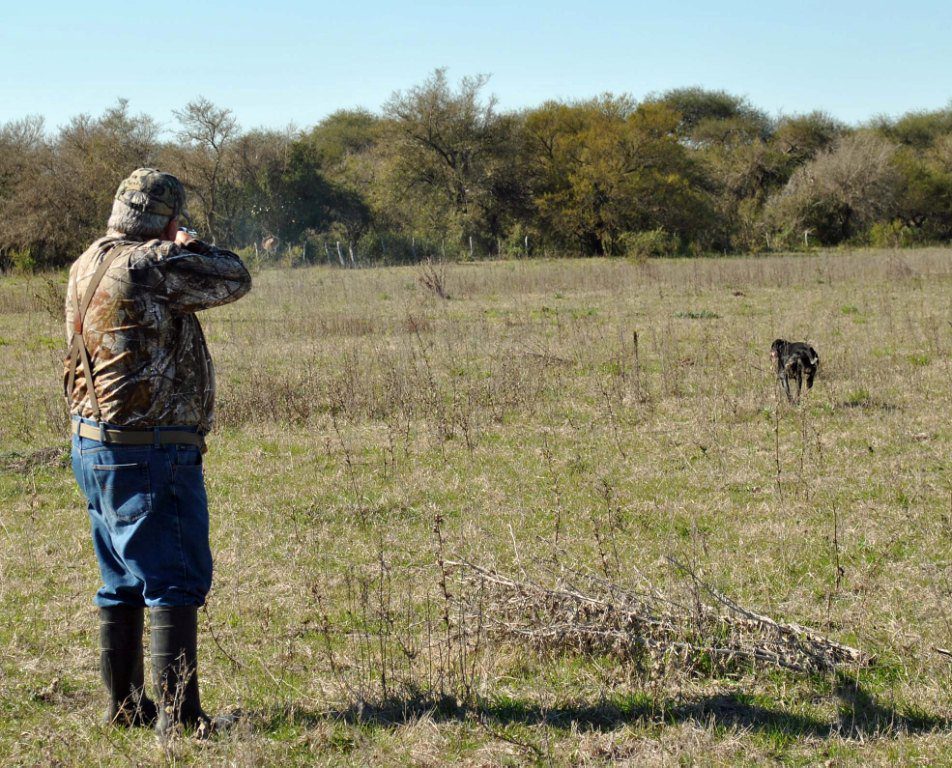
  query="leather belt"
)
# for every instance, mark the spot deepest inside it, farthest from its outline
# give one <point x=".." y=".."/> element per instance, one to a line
<point x="138" y="436"/>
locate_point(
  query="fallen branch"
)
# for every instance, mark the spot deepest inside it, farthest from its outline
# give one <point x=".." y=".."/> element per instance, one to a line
<point x="603" y="617"/>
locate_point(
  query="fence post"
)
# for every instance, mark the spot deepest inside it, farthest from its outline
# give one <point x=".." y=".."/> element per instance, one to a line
<point x="637" y="361"/>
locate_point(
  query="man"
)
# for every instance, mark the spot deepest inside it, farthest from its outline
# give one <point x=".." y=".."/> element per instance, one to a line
<point x="140" y="386"/>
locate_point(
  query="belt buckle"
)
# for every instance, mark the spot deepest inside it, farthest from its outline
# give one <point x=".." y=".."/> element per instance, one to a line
<point x="103" y="438"/>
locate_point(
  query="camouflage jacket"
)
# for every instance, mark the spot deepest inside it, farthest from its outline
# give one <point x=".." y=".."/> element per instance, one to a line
<point x="151" y="365"/>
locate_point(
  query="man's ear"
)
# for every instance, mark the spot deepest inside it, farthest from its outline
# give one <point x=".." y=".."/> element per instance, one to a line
<point x="170" y="229"/>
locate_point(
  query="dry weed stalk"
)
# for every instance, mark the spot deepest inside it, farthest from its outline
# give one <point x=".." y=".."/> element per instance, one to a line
<point x="585" y="614"/>
<point x="433" y="277"/>
<point x="50" y="297"/>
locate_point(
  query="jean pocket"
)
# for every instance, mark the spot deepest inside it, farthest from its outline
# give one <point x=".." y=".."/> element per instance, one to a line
<point x="125" y="490"/>
<point x="187" y="456"/>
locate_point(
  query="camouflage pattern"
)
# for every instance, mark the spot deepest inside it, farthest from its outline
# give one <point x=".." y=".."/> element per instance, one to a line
<point x="152" y="191"/>
<point x="151" y="365"/>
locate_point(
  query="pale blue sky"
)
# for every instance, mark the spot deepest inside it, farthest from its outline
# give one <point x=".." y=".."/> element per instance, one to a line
<point x="280" y="62"/>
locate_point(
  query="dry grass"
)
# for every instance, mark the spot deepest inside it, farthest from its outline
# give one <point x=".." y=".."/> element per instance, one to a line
<point x="591" y="414"/>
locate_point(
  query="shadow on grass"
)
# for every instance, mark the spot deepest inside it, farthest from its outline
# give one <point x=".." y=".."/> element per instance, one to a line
<point x="861" y="716"/>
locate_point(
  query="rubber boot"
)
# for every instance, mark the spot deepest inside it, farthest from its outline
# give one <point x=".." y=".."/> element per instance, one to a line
<point x="175" y="672"/>
<point x="120" y="662"/>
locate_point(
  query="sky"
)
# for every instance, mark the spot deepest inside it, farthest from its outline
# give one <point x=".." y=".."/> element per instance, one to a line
<point x="276" y="63"/>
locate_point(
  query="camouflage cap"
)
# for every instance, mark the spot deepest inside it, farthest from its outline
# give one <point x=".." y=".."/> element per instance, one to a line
<point x="152" y="191"/>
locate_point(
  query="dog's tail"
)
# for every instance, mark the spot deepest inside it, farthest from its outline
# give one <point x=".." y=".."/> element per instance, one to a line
<point x="814" y="357"/>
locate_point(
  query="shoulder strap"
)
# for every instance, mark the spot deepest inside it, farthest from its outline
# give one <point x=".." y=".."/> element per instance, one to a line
<point x="77" y="346"/>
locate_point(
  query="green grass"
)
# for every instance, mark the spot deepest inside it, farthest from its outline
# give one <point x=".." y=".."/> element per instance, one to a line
<point x="355" y="407"/>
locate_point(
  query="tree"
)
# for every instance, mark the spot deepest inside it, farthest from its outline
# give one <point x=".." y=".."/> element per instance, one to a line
<point x="798" y="138"/>
<point x="260" y="159"/>
<point x="343" y="135"/>
<point x="715" y="116"/>
<point x="451" y="152"/>
<point x="841" y="191"/>
<point x="25" y="153"/>
<point x="345" y="149"/>
<point x="606" y="167"/>
<point x="924" y="198"/>
<point x="918" y="129"/>
<point x="313" y="202"/>
<point x="442" y="168"/>
<point x="207" y="135"/>
<point x="58" y="192"/>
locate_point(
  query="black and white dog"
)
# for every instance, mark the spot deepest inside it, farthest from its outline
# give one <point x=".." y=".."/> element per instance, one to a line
<point x="796" y="359"/>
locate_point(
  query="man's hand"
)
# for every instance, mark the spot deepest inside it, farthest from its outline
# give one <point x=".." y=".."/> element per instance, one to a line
<point x="183" y="238"/>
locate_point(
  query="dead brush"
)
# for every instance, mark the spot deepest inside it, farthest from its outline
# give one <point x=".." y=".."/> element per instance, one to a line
<point x="397" y="642"/>
<point x="433" y="277"/>
<point x="585" y="614"/>
<point x="49" y="296"/>
<point x="56" y="456"/>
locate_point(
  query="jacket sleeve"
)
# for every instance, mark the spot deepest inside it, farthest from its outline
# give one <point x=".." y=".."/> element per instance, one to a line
<point x="203" y="277"/>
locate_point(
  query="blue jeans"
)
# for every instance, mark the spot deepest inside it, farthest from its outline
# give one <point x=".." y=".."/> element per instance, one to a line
<point x="149" y="517"/>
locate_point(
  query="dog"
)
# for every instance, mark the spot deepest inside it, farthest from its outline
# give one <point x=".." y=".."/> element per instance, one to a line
<point x="797" y="359"/>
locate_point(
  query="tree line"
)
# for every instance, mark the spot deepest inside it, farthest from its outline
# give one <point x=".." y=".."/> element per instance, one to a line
<point x="439" y="169"/>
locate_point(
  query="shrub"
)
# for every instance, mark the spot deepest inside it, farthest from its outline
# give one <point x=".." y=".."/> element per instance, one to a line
<point x="24" y="260"/>
<point x="895" y="234"/>
<point x="857" y="398"/>
<point x="651" y="243"/>
<point x="839" y="193"/>
<point x="514" y="244"/>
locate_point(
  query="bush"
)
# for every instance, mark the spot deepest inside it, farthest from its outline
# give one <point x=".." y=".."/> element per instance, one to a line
<point x="251" y="258"/>
<point x="894" y="234"/>
<point x="514" y="244"/>
<point x="24" y="260"/>
<point x="839" y="193"/>
<point x="651" y="243"/>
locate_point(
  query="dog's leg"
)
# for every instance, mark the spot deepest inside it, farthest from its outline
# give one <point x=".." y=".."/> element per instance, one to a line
<point x="785" y="382"/>
<point x="814" y="364"/>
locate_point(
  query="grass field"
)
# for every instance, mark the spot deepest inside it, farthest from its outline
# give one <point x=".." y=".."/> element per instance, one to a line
<point x="370" y="432"/>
